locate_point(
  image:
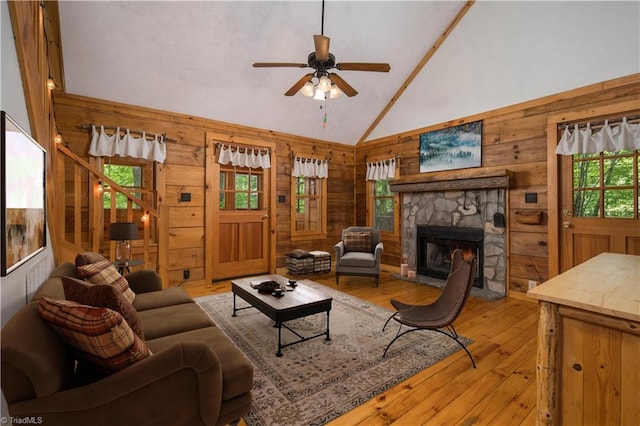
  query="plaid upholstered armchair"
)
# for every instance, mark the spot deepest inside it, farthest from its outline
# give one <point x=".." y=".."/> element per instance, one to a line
<point x="359" y="253"/>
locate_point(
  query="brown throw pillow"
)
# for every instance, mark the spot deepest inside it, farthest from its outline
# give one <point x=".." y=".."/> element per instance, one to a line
<point x="94" y="268"/>
<point x="99" y="336"/>
<point x="357" y="241"/>
<point x="102" y="296"/>
<point x="299" y="254"/>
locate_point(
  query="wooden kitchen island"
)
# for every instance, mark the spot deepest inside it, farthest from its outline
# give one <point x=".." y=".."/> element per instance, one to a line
<point x="588" y="367"/>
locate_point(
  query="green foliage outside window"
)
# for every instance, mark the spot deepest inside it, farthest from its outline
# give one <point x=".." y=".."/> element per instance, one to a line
<point x="241" y="189"/>
<point x="129" y="177"/>
<point x="301" y="190"/>
<point x="384" y="209"/>
<point x="605" y="180"/>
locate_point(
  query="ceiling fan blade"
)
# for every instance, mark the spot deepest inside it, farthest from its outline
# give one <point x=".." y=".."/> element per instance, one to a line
<point x="363" y="66"/>
<point x="343" y="85"/>
<point x="279" y="64"/>
<point x="294" y="89"/>
<point x="322" y="47"/>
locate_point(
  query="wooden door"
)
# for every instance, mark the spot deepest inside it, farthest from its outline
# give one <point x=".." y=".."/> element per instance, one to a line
<point x="243" y="233"/>
<point x="240" y="224"/>
<point x="599" y="206"/>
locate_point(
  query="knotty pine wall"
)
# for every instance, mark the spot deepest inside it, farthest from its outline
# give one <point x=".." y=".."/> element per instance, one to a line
<point x="184" y="171"/>
<point x="513" y="138"/>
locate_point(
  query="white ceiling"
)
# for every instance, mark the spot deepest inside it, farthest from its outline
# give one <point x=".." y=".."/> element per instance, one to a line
<point x="195" y="57"/>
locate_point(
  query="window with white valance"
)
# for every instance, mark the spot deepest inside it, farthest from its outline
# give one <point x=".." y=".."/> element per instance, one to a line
<point x="383" y="169"/>
<point x="244" y="157"/>
<point x="104" y="145"/>
<point x="609" y="138"/>
<point x="382" y="211"/>
<point x="310" y="167"/>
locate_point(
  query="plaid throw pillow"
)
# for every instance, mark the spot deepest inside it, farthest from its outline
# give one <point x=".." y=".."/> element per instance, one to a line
<point x="357" y="241"/>
<point x="102" y="296"/>
<point x="99" y="336"/>
<point x="94" y="268"/>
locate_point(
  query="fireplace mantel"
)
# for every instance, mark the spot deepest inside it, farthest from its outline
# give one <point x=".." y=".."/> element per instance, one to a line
<point x="454" y="180"/>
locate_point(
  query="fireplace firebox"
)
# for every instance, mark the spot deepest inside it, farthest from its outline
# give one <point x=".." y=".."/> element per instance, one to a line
<point x="436" y="243"/>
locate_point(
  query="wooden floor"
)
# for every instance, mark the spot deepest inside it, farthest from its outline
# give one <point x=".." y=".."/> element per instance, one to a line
<point x="500" y="391"/>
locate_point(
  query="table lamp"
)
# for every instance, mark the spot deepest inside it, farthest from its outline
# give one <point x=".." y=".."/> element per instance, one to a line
<point x="123" y="233"/>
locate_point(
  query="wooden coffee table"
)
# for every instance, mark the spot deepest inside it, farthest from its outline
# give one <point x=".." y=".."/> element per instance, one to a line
<point x="297" y="302"/>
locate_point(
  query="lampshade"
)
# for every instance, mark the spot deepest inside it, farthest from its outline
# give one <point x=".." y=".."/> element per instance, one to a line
<point x="324" y="84"/>
<point x="307" y="89"/>
<point x="335" y="92"/>
<point x="319" y="95"/>
<point x="123" y="231"/>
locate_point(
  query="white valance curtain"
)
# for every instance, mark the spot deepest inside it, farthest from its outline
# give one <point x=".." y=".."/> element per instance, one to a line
<point x="103" y="145"/>
<point x="310" y="167"/>
<point x="610" y="138"/>
<point x="383" y="169"/>
<point x="249" y="157"/>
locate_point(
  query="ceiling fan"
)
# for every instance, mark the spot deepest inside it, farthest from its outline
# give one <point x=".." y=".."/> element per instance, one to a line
<point x="328" y="83"/>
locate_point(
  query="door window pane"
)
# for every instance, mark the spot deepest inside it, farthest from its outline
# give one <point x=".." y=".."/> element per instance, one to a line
<point x="606" y="185"/>
<point x="618" y="203"/>
<point x="618" y="171"/>
<point x="586" y="174"/>
<point x="241" y="188"/>
<point x="586" y="203"/>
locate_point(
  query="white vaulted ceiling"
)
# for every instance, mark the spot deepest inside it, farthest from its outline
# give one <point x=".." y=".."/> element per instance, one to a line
<point x="195" y="57"/>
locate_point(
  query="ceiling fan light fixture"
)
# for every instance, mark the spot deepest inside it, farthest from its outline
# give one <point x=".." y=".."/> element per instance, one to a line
<point x="324" y="84"/>
<point x="335" y="92"/>
<point x="307" y="89"/>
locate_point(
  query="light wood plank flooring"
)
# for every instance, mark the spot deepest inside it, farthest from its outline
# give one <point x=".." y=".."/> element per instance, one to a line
<point x="501" y="391"/>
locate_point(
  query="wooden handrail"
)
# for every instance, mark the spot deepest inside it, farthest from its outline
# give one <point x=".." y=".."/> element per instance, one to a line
<point x="95" y="235"/>
<point x="101" y="176"/>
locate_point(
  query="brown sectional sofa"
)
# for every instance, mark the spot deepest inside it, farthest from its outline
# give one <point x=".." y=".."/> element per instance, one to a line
<point x="196" y="375"/>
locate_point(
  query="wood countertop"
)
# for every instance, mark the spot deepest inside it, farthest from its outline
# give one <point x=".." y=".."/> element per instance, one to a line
<point x="608" y="284"/>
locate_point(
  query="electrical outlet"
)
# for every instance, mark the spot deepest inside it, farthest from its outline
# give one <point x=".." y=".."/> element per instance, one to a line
<point x="35" y="277"/>
<point x="532" y="284"/>
<point x="186" y="274"/>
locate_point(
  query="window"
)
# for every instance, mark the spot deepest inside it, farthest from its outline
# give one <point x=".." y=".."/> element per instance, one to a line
<point x="605" y="185"/>
<point x="129" y="177"/>
<point x="382" y="204"/>
<point x="241" y="188"/>
<point x="308" y="207"/>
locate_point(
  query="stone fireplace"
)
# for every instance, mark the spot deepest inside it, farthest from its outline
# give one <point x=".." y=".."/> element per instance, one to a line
<point x="436" y="222"/>
<point x="436" y="244"/>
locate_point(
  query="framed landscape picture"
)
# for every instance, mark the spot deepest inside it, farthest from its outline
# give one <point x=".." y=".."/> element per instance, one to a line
<point x="457" y="147"/>
<point x="22" y="198"/>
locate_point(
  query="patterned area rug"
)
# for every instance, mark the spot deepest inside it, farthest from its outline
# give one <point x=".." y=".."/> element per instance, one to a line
<point x="319" y="380"/>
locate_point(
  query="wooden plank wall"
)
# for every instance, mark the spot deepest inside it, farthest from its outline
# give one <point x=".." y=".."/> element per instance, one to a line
<point x="513" y="138"/>
<point x="27" y="21"/>
<point x="184" y="171"/>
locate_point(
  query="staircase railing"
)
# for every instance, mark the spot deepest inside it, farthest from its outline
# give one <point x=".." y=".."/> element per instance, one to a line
<point x="83" y="187"/>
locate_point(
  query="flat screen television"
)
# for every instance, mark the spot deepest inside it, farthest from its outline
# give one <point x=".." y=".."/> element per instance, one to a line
<point x="23" y="195"/>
